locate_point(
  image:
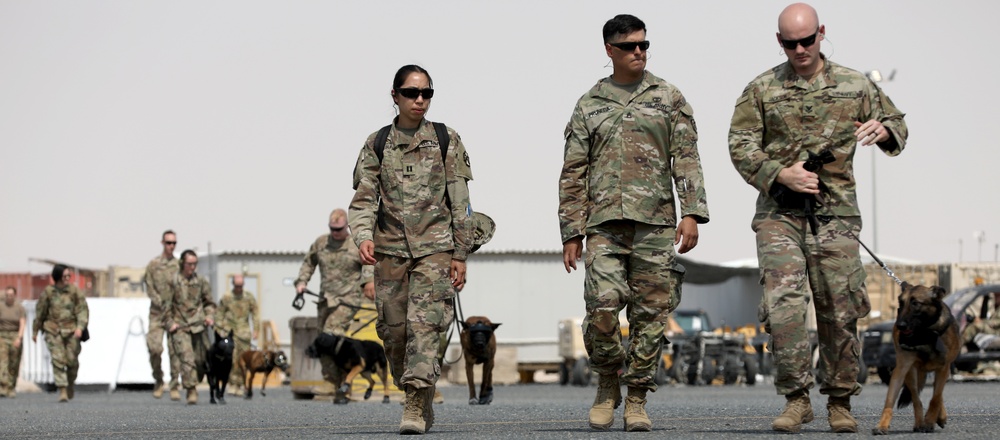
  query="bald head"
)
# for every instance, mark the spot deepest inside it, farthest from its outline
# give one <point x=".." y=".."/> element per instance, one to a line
<point x="797" y="16"/>
<point x="238" y="283"/>
<point x="338" y="224"/>
<point x="338" y="216"/>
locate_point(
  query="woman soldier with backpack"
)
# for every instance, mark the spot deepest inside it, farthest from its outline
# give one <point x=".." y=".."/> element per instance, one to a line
<point x="412" y="219"/>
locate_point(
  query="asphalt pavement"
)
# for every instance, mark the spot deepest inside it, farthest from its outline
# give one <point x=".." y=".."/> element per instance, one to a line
<point x="537" y="411"/>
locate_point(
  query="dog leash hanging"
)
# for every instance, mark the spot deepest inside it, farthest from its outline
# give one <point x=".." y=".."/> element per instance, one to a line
<point x="874" y="257"/>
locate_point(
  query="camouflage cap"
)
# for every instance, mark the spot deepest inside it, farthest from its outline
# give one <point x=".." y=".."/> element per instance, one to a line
<point x="484" y="230"/>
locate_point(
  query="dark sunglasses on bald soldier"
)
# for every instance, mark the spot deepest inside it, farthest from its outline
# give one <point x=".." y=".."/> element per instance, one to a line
<point x="805" y="42"/>
<point x="413" y="93"/>
<point x="629" y="46"/>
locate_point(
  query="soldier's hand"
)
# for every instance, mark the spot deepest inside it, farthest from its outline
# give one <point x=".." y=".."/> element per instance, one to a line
<point x="870" y="132"/>
<point x="687" y="234"/>
<point x="78" y="333"/>
<point x="367" y="250"/>
<point x="370" y="291"/>
<point x="17" y="343"/>
<point x="299" y="287"/>
<point x="173" y="328"/>
<point x="458" y="274"/>
<point x="572" y="251"/>
<point x="209" y="321"/>
<point x="798" y="179"/>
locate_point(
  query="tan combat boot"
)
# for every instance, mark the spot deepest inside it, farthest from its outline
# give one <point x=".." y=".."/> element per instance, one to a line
<point x="11" y="393"/>
<point x="158" y="390"/>
<point x="62" y="395"/>
<point x="609" y="396"/>
<point x="175" y="394"/>
<point x="413" y="412"/>
<point x="635" y="411"/>
<point x="438" y="398"/>
<point x="840" y="414"/>
<point x="798" y="410"/>
<point x="70" y="390"/>
<point x="192" y="396"/>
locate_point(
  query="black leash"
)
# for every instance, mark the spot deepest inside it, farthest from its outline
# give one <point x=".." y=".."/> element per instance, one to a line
<point x="300" y="301"/>
<point x="874" y="257"/>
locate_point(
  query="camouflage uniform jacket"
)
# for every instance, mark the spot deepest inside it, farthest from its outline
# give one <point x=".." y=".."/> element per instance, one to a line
<point x="780" y="118"/>
<point x="340" y="269"/>
<point x="234" y="314"/>
<point x="623" y="159"/>
<point x="414" y="220"/>
<point x="159" y="271"/>
<point x="61" y="311"/>
<point x="187" y="303"/>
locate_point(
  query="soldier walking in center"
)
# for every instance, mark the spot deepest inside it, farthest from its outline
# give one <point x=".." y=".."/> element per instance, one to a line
<point x="188" y="309"/>
<point x="630" y="142"/>
<point x="412" y="219"/>
<point x="793" y="137"/>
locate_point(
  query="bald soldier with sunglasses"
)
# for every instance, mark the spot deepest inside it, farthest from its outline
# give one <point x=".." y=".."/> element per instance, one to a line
<point x="810" y="108"/>
<point x="630" y="143"/>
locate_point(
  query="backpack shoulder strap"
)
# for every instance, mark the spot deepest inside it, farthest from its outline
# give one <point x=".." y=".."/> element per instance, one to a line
<point x="443" y="139"/>
<point x="380" y="139"/>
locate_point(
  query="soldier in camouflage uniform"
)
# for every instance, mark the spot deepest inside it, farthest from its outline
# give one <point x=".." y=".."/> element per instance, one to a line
<point x="12" y="323"/>
<point x="412" y="219"/>
<point x="187" y="310"/>
<point x="808" y="106"/>
<point x="62" y="313"/>
<point x="630" y="142"/>
<point x="235" y="312"/>
<point x="342" y="280"/>
<point x="159" y="272"/>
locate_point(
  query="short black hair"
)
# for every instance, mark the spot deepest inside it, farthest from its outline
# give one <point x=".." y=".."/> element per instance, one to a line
<point x="57" y="272"/>
<point x="185" y="254"/>
<point x="403" y="72"/>
<point x="622" y="24"/>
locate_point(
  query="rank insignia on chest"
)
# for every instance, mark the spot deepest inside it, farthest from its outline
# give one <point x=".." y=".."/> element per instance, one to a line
<point x="408" y="170"/>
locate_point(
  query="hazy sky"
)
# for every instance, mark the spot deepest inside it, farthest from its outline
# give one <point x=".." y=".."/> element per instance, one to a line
<point x="239" y="123"/>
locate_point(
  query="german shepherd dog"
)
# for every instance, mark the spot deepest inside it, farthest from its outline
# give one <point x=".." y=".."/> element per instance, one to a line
<point x="926" y="339"/>
<point x="254" y="361"/>
<point x="220" y="363"/>
<point x="354" y="357"/>
<point x="479" y="346"/>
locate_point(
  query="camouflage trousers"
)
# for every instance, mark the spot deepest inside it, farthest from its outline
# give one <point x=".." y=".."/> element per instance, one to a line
<point x="793" y="264"/>
<point x="335" y="315"/>
<point x="154" y="343"/>
<point x="10" y="360"/>
<point x="415" y="302"/>
<point x="240" y="346"/>
<point x="65" y="351"/>
<point x="191" y="349"/>
<point x="629" y="266"/>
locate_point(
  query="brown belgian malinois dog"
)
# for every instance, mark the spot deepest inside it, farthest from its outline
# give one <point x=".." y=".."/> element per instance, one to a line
<point x="253" y="361"/>
<point x="479" y="346"/>
<point x="926" y="339"/>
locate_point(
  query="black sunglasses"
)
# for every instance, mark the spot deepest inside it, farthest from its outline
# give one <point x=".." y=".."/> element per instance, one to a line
<point x="332" y="229"/>
<point x="629" y="46"/>
<point x="170" y="242"/>
<point x="413" y="93"/>
<point x="805" y="42"/>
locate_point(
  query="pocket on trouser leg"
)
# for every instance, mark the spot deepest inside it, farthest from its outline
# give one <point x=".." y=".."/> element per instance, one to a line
<point x="858" y="293"/>
<point x="676" y="286"/>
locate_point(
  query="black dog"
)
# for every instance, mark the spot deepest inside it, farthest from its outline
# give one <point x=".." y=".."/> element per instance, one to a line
<point x="220" y="364"/>
<point x="353" y="357"/>
<point x="479" y="346"/>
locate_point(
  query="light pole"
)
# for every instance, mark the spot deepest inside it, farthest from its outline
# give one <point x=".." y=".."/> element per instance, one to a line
<point x="876" y="76"/>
